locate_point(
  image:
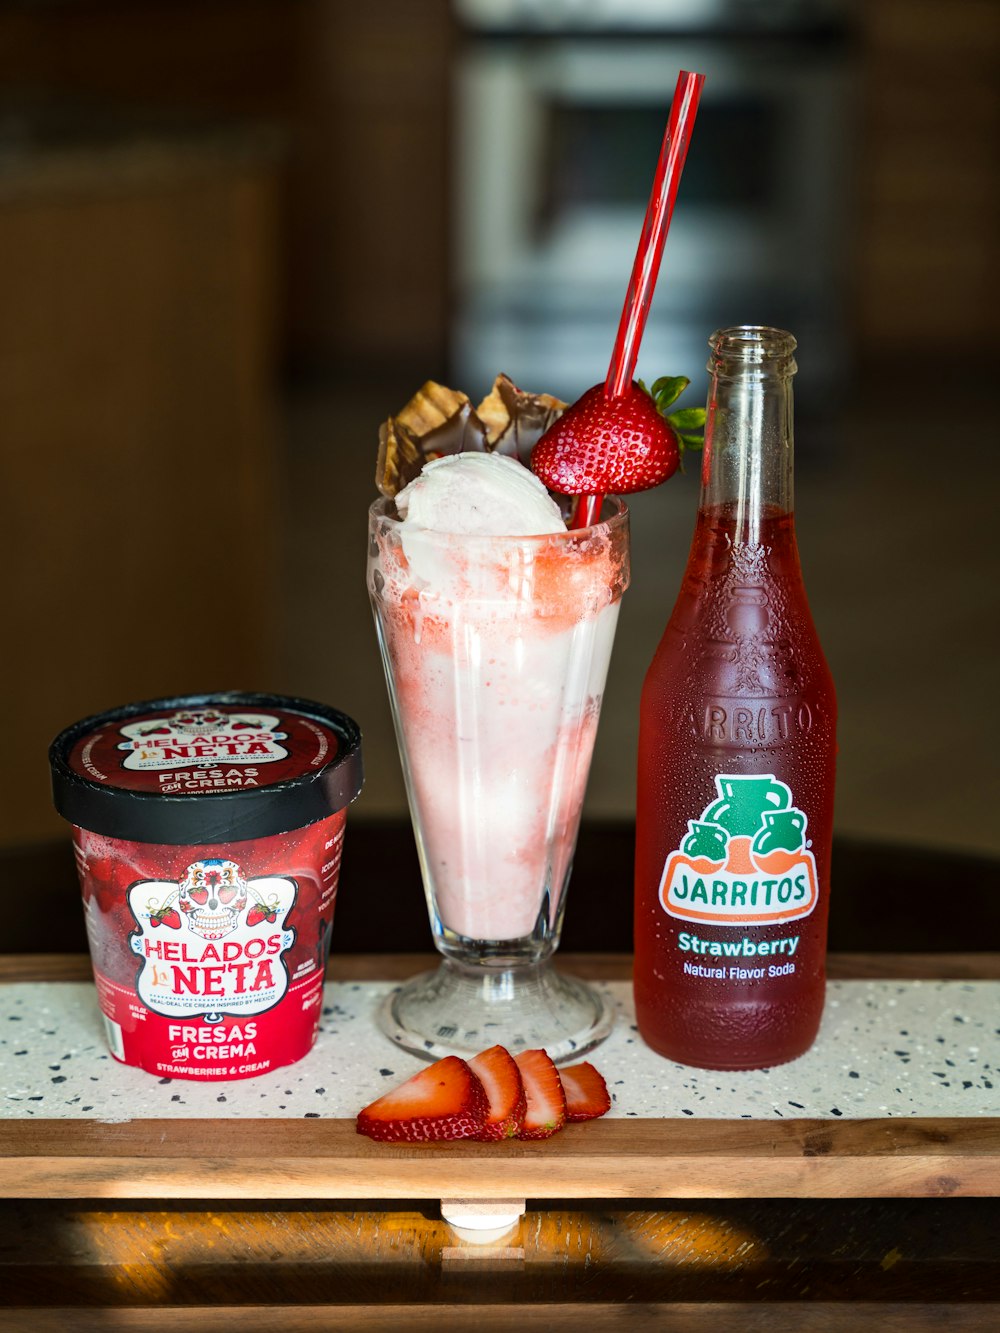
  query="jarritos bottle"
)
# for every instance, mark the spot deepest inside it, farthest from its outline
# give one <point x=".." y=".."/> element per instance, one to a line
<point x="736" y="752"/>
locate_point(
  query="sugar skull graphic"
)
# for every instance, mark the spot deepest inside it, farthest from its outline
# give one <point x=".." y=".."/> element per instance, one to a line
<point x="212" y="895"/>
<point x="197" y="720"/>
<point x="214" y="941"/>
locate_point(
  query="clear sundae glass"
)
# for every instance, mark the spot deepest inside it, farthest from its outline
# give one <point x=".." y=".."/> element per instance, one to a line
<point x="496" y="651"/>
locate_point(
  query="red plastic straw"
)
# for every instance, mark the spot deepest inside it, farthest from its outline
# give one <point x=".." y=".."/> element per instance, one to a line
<point x="659" y="211"/>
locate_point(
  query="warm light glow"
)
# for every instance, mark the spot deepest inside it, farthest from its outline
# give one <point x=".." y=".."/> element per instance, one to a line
<point x="692" y="1238"/>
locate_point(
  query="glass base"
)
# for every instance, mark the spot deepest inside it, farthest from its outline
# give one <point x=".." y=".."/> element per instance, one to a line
<point x="459" y="1010"/>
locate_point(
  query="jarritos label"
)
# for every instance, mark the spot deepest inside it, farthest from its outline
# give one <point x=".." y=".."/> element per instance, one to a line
<point x="212" y="943"/>
<point x="201" y="737"/>
<point x="746" y="861"/>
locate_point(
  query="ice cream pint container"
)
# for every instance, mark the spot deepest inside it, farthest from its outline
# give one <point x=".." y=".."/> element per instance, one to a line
<point x="208" y="832"/>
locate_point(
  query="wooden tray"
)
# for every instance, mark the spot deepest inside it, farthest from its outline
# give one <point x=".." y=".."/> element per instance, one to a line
<point x="647" y="1158"/>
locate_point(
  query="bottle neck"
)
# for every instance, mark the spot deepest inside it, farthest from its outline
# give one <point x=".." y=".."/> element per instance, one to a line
<point x="747" y="466"/>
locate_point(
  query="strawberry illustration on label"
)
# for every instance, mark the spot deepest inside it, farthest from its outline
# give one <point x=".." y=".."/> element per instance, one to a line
<point x="161" y="913"/>
<point x="169" y="916"/>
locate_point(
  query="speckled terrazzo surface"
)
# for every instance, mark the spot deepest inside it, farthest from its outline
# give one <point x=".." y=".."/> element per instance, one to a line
<point x="886" y="1048"/>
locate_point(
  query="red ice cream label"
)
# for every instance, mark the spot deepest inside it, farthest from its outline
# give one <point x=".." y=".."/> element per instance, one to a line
<point x="209" y="960"/>
<point x="188" y="751"/>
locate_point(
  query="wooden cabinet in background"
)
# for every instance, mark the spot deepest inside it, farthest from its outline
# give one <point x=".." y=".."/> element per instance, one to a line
<point x="363" y="92"/>
<point x="929" y="194"/>
<point x="137" y="430"/>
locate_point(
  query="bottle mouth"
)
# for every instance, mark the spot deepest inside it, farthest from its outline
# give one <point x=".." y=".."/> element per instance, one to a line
<point x="752" y="347"/>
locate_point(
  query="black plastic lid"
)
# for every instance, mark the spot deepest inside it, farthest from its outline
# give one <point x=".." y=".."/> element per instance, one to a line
<point x="206" y="768"/>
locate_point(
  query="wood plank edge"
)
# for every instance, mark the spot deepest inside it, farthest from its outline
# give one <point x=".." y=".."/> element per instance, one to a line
<point x="619" y="1135"/>
<point x="678" y="1178"/>
<point x="803" y="1316"/>
<point x="622" y="1137"/>
<point x="613" y="1159"/>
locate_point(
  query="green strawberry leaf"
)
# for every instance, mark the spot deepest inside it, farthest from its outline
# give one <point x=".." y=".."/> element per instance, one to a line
<point x="687" y="418"/>
<point x="691" y="442"/>
<point x="685" y="422"/>
<point x="667" y="389"/>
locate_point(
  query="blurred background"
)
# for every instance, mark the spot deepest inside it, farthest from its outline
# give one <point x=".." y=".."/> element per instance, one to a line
<point x="237" y="234"/>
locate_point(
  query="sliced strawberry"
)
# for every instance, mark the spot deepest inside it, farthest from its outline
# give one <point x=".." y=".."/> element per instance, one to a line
<point x="445" y="1101"/>
<point x="587" y="1094"/>
<point x="546" y="1113"/>
<point x="497" y="1071"/>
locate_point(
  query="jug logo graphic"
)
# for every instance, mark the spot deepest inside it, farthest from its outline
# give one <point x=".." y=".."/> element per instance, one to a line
<point x="202" y="737"/>
<point x="213" y="942"/>
<point x="746" y="861"/>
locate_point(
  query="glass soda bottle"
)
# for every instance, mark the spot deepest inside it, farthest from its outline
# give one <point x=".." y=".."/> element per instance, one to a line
<point x="737" y="751"/>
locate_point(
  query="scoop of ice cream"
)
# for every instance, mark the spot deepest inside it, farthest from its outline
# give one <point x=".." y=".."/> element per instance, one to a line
<point x="484" y="494"/>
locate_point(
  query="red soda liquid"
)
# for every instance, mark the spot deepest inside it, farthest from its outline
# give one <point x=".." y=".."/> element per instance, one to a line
<point x="730" y="956"/>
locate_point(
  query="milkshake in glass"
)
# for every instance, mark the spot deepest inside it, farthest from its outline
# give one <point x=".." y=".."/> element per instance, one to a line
<point x="496" y="626"/>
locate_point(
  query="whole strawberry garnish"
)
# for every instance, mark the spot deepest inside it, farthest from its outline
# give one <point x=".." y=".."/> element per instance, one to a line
<point x="257" y="914"/>
<point x="501" y="1080"/>
<point x="443" y="1102"/>
<point x="613" y="446"/>
<point x="171" y="917"/>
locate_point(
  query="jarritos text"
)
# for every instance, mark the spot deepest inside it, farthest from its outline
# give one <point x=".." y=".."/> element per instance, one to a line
<point x="212" y="943"/>
<point x="746" y="861"/>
